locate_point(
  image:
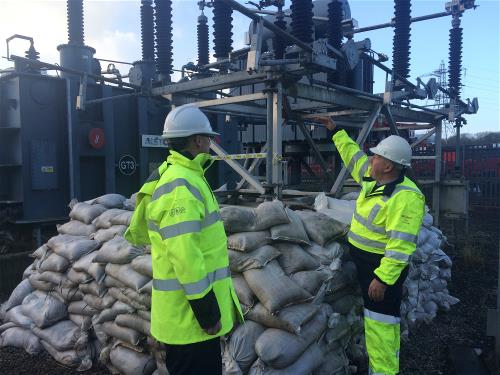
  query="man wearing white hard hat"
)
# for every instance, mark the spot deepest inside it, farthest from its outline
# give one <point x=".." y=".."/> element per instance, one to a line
<point x="193" y="298"/>
<point x="383" y="235"/>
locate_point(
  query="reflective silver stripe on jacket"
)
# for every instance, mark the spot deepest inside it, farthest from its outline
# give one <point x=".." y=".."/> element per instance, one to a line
<point x="192" y="226"/>
<point x="170" y="186"/>
<point x="400" y="188"/>
<point x="197" y="287"/>
<point x="358" y="155"/>
<point x="372" y="372"/>
<point x="397" y="235"/>
<point x="396" y="255"/>
<point x="363" y="169"/>
<point x="366" y="241"/>
<point x="154" y="176"/>
<point x="368" y="223"/>
<point x="382" y="318"/>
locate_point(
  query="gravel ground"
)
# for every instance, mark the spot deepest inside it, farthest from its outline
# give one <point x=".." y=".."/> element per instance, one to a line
<point x="474" y="282"/>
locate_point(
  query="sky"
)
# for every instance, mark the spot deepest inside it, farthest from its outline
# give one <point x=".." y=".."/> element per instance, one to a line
<point x="113" y="28"/>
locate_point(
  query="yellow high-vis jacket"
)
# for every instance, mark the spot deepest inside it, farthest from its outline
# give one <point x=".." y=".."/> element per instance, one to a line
<point x="177" y="213"/>
<point x="386" y="221"/>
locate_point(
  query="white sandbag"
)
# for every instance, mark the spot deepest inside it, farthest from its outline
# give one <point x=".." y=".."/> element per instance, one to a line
<point x="143" y="264"/>
<point x="308" y="361"/>
<point x="111" y="313"/>
<point x="85" y="212"/>
<point x="99" y="303"/>
<point x="338" y="209"/>
<point x="104" y="235"/>
<point x="81" y="308"/>
<point x="4" y="327"/>
<point x="243" y="291"/>
<point x="248" y="241"/>
<point x="76" y="228"/>
<point x="78" y="320"/>
<point x="279" y="349"/>
<point x="131" y="297"/>
<point x="103" y="221"/>
<point x="21" y="338"/>
<point x="273" y="288"/>
<point x="291" y="232"/>
<point x="321" y="228"/>
<point x="97" y="271"/>
<point x="241" y="348"/>
<point x="293" y="258"/>
<point x="68" y="358"/>
<point x="56" y="278"/>
<point x="109" y="200"/>
<point x="258" y="258"/>
<point x="16" y="316"/>
<point x="117" y="251"/>
<point x="326" y="254"/>
<point x="129" y="362"/>
<point x="134" y="322"/>
<point x="78" y="277"/>
<point x="62" y="335"/>
<point x="18" y="294"/>
<point x="122" y="219"/>
<point x="110" y="282"/>
<point x="290" y="319"/>
<point x="55" y="263"/>
<point x="43" y="309"/>
<point x="84" y="262"/>
<point x="72" y="247"/>
<point x="68" y="294"/>
<point x="245" y="219"/>
<point x="126" y="274"/>
<point x="39" y="284"/>
<point x="41" y="252"/>
<point x="128" y="335"/>
<point x="93" y="288"/>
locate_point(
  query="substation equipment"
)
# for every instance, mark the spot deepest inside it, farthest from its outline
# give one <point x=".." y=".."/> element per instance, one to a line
<point x="87" y="132"/>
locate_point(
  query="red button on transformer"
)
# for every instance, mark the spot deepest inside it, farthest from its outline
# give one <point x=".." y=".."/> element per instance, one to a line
<point x="96" y="138"/>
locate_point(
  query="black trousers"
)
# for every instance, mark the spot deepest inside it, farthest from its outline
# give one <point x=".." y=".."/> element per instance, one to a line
<point x="366" y="263"/>
<point x="201" y="358"/>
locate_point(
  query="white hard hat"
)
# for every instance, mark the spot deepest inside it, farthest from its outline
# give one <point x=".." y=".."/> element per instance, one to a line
<point x="394" y="148"/>
<point x="185" y="121"/>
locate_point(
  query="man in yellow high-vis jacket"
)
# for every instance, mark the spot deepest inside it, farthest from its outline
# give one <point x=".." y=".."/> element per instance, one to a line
<point x="382" y="237"/>
<point x="193" y="298"/>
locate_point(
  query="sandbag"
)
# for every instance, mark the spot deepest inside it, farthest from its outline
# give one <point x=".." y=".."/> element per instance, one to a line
<point x="110" y="282"/>
<point x="43" y="309"/>
<point x="104" y="235"/>
<point x="76" y="228"/>
<point x="68" y="294"/>
<point x="83" y="264"/>
<point x="338" y="327"/>
<point x="128" y="335"/>
<point x="77" y="319"/>
<point x="279" y="349"/>
<point x="21" y="338"/>
<point x="290" y="318"/>
<point x="143" y="264"/>
<point x="293" y="258"/>
<point x="273" y="288"/>
<point x="134" y="322"/>
<point x="56" y="278"/>
<point x="122" y="219"/>
<point x="126" y="274"/>
<point x="86" y="212"/>
<point x="130" y="362"/>
<point x="97" y="271"/>
<point x="130" y="203"/>
<point x="308" y="361"/>
<point x="117" y="251"/>
<point x="68" y="358"/>
<point x="99" y="303"/>
<point x="39" y="284"/>
<point x="248" y="241"/>
<point x="78" y="277"/>
<point x="147" y="289"/>
<point x="62" y="335"/>
<point x="335" y="363"/>
<point x="109" y="200"/>
<point x="16" y="316"/>
<point x="55" y="263"/>
<point x="243" y="292"/>
<point x="291" y="232"/>
<point x="81" y="308"/>
<point x="241" y="347"/>
<point x="41" y="252"/>
<point x="258" y="258"/>
<point x="104" y="219"/>
<point x="311" y="280"/>
<point x="321" y="228"/>
<point x="131" y="297"/>
<point x="72" y="247"/>
<point x="93" y="288"/>
<point x="111" y="313"/>
<point x="245" y="219"/>
<point x="326" y="254"/>
<point x="18" y="294"/>
<point x="144" y="314"/>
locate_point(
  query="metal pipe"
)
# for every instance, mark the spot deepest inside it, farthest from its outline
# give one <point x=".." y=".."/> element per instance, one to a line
<point x="347" y="89"/>
<point x="73" y="71"/>
<point x="269" y="25"/>
<point x="391" y="24"/>
<point x="69" y="122"/>
<point x="269" y="132"/>
<point x="279" y="62"/>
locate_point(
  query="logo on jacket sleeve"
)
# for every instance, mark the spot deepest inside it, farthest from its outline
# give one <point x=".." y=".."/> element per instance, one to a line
<point x="177" y="211"/>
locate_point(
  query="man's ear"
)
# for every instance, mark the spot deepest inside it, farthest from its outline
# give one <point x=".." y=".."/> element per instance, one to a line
<point x="197" y="140"/>
<point x="389" y="166"/>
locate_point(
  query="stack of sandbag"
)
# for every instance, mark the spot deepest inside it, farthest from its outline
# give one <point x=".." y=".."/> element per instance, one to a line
<point x="425" y="291"/>
<point x="301" y="306"/>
